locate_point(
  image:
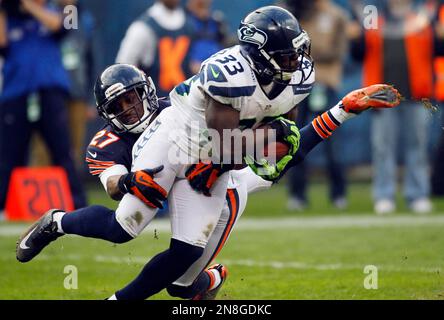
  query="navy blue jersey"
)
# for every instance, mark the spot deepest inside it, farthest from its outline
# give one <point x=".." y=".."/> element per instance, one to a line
<point x="109" y="148"/>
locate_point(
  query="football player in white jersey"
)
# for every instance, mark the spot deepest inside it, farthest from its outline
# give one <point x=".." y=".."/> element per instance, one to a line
<point x="260" y="80"/>
<point x="178" y="137"/>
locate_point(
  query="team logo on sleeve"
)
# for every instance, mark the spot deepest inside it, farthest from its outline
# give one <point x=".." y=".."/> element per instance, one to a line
<point x="215" y="74"/>
<point x="251" y="34"/>
<point x="92" y="154"/>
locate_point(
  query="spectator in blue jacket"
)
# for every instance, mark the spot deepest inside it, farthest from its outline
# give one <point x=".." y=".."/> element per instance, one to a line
<point x="35" y="87"/>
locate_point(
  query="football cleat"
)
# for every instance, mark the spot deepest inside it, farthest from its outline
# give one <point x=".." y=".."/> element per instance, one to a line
<point x="38" y="236"/>
<point x="211" y="294"/>
<point x="374" y="96"/>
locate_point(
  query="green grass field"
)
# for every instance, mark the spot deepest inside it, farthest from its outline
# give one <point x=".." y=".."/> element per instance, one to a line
<point x="274" y="254"/>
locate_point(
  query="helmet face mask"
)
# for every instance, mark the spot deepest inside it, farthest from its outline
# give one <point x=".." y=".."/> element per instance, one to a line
<point x="125" y="111"/>
<point x="275" y="45"/>
<point x="288" y="62"/>
<point x="126" y="98"/>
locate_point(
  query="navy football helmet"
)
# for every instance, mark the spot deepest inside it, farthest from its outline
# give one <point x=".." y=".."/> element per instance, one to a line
<point x="275" y="45"/>
<point x="125" y="98"/>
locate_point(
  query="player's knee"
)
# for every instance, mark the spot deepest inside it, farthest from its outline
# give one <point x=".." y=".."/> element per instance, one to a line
<point x="180" y="292"/>
<point x="121" y="236"/>
<point x="117" y="233"/>
<point x="132" y="221"/>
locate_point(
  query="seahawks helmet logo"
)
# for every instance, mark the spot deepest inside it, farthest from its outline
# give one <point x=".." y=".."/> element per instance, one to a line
<point x="249" y="33"/>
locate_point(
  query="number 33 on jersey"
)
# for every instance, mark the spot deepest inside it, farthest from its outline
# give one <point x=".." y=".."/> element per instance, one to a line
<point x="228" y="78"/>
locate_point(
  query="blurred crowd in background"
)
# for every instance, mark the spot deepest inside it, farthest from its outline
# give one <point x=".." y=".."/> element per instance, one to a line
<point x="47" y="112"/>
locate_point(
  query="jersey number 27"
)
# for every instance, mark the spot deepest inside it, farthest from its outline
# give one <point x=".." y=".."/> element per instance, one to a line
<point x="103" y="138"/>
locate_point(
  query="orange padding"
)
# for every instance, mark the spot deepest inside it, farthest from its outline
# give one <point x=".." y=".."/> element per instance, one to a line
<point x="33" y="191"/>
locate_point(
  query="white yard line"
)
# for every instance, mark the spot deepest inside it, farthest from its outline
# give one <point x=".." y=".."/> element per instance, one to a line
<point x="295" y="265"/>
<point x="318" y="222"/>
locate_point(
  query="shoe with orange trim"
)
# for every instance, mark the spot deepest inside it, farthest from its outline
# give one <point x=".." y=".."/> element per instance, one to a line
<point x="211" y="294"/>
<point x="374" y="96"/>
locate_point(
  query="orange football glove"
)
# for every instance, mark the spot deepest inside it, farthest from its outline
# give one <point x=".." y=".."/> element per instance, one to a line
<point x="202" y="176"/>
<point x="374" y="96"/>
<point x="142" y="185"/>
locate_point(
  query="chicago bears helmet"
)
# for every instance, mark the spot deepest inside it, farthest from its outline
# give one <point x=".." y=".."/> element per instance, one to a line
<point x="275" y="45"/>
<point x="125" y="98"/>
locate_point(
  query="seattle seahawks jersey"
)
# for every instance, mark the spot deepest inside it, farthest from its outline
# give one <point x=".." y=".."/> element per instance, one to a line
<point x="228" y="78"/>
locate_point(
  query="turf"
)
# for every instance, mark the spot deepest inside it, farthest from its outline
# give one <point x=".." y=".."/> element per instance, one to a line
<point x="310" y="262"/>
<point x="273" y="202"/>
